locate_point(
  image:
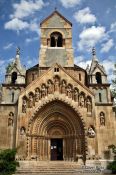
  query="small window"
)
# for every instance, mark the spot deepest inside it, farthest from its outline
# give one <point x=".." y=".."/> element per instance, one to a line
<point x="33" y="76"/>
<point x="100" y="97"/>
<point x="14" y="77"/>
<point x="56" y="69"/>
<point x="79" y="77"/>
<point x="12" y="97"/>
<point x="98" y="78"/>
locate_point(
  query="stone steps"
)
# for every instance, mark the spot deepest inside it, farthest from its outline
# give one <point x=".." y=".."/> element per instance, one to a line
<point x="55" y="168"/>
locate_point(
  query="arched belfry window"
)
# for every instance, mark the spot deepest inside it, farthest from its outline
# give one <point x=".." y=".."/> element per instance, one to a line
<point x="13" y="77"/>
<point x="56" y="39"/>
<point x="98" y="78"/>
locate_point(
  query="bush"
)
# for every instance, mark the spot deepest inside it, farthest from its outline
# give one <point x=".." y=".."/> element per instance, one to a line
<point x="112" y="166"/>
<point x="7" y="161"/>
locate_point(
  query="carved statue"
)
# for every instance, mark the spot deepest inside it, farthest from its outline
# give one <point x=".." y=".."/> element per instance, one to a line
<point x="81" y="100"/>
<point x="10" y="121"/>
<point x="24" y="105"/>
<point x="50" y="87"/>
<point x="91" y="132"/>
<point x="89" y="105"/>
<point x="31" y="102"/>
<point x="69" y="92"/>
<point x="43" y="91"/>
<point x="63" y="87"/>
<point x="22" y="130"/>
<point x="56" y="85"/>
<point x="37" y="95"/>
<point x="76" y="95"/>
<point x="102" y="119"/>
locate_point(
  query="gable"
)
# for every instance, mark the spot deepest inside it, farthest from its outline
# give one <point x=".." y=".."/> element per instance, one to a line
<point x="98" y="68"/>
<point x="56" y="20"/>
<point x="50" y="75"/>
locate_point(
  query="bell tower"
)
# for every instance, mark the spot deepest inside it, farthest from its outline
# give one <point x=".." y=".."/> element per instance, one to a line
<point x="56" y="41"/>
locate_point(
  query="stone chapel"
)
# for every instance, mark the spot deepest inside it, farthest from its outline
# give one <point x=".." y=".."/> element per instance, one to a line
<point x="56" y="110"/>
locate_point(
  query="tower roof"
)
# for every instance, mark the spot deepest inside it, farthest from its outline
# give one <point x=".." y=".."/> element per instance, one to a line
<point x="53" y="13"/>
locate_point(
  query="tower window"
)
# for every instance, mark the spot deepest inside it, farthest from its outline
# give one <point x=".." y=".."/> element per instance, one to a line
<point x="14" y="77"/>
<point x="98" y="78"/>
<point x="12" y="96"/>
<point x="79" y="77"/>
<point x="100" y="97"/>
<point x="56" y="39"/>
<point x="56" y="69"/>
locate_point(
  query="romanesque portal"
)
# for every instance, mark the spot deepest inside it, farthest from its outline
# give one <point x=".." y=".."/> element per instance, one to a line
<point x="56" y="133"/>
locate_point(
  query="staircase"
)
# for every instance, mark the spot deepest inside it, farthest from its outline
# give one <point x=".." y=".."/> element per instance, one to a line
<point x="51" y="168"/>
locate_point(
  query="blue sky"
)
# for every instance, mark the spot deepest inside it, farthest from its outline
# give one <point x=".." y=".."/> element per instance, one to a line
<point x="94" y="24"/>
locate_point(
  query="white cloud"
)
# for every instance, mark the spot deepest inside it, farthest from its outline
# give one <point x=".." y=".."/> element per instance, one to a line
<point x="107" y="46"/>
<point x="90" y="37"/>
<point x="29" y="40"/>
<point x="70" y="3"/>
<point x="2" y="62"/>
<point x="113" y="27"/>
<point x="109" y="66"/>
<point x="84" y="16"/>
<point x="16" y="24"/>
<point x="8" y="46"/>
<point x="26" y="8"/>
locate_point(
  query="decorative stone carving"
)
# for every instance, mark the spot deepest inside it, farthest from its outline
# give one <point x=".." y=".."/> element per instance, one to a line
<point x="50" y="87"/>
<point x="91" y="132"/>
<point x="10" y="122"/>
<point x="31" y="100"/>
<point x="37" y="95"/>
<point x="81" y="100"/>
<point x="63" y="87"/>
<point x="102" y="119"/>
<point x="69" y="92"/>
<point x="24" y="105"/>
<point x="43" y="91"/>
<point x="56" y="84"/>
<point x="89" y="105"/>
<point x="22" y="130"/>
<point x="75" y="95"/>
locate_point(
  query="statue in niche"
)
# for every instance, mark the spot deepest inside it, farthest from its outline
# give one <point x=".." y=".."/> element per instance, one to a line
<point x="43" y="91"/>
<point x="31" y="102"/>
<point x="102" y="119"/>
<point x="24" y="105"/>
<point x="56" y="84"/>
<point x="63" y="87"/>
<point x="76" y="95"/>
<point x="22" y="131"/>
<point x="81" y="100"/>
<point x="89" y="105"/>
<point x="50" y="87"/>
<point x="91" y="132"/>
<point x="69" y="92"/>
<point x="10" y="121"/>
<point x="37" y="95"/>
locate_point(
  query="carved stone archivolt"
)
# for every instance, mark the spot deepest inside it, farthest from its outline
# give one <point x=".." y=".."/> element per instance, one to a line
<point x="56" y="120"/>
<point x="57" y="86"/>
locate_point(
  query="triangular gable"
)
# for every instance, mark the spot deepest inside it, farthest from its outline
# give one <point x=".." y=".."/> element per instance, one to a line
<point x="98" y="66"/>
<point x="50" y="16"/>
<point x="47" y="73"/>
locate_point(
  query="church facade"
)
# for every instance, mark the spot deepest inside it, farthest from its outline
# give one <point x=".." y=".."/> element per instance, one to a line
<point x="56" y="110"/>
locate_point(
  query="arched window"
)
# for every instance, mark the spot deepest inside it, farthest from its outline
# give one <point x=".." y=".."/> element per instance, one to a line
<point x="14" y="77"/>
<point x="56" y="39"/>
<point x="98" y="78"/>
<point x="12" y="97"/>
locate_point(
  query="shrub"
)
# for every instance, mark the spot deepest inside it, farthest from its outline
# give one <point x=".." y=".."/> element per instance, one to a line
<point x="7" y="161"/>
<point x="112" y="166"/>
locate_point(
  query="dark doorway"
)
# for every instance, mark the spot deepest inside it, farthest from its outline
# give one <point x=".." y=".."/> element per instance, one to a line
<point x="56" y="149"/>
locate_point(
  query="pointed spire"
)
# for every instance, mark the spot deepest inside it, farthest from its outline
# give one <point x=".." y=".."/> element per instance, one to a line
<point x="94" y="54"/>
<point x="93" y="51"/>
<point x="17" y="60"/>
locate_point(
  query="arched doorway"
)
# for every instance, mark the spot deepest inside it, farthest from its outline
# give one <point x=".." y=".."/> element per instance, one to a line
<point x="56" y="133"/>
